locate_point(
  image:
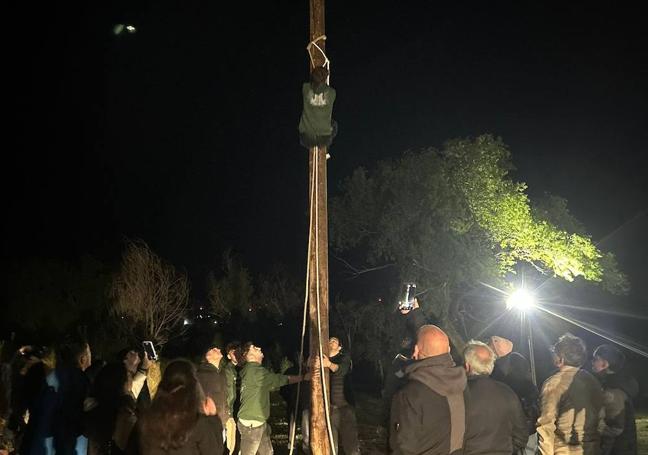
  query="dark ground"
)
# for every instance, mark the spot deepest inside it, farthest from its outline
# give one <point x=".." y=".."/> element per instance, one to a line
<point x="369" y="411"/>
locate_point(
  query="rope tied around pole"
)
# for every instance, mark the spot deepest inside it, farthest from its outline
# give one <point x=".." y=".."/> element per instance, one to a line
<point x="327" y="62"/>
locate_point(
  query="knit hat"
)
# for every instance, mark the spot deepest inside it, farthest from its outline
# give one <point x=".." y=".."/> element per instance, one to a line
<point x="501" y="346"/>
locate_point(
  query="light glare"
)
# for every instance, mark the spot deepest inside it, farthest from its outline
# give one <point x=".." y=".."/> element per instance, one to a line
<point x="520" y="299"/>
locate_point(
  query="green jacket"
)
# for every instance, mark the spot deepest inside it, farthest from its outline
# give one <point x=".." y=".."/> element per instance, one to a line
<point x="317" y="110"/>
<point x="230" y="378"/>
<point x="256" y="384"/>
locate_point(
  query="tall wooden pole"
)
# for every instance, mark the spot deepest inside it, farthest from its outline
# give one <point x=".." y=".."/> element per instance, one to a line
<point x="318" y="260"/>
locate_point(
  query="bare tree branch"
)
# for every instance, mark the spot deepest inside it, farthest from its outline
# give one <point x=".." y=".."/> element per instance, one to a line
<point x="355" y="272"/>
<point x="149" y="294"/>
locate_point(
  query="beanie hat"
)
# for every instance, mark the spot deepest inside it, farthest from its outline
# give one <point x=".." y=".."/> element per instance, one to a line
<point x="501" y="346"/>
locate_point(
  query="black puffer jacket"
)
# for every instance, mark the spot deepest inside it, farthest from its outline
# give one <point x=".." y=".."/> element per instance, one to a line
<point x="495" y="422"/>
<point x="428" y="413"/>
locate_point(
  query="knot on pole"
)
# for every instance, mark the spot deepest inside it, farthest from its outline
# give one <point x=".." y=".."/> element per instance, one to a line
<point x="327" y="62"/>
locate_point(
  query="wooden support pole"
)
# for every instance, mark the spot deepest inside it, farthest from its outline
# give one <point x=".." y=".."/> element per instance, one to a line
<point x="318" y="263"/>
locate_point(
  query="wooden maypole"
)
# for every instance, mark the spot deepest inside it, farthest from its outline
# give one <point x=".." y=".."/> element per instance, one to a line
<point x="318" y="294"/>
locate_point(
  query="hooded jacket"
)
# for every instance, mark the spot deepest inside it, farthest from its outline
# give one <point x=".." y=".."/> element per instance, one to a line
<point x="428" y="414"/>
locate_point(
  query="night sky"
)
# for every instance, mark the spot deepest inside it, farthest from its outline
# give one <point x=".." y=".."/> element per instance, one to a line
<point x="185" y="133"/>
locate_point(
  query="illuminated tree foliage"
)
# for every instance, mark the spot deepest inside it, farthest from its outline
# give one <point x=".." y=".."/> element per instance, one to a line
<point x="451" y="218"/>
<point x="501" y="208"/>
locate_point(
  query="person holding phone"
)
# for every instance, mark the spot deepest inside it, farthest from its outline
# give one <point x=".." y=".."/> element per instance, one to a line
<point x="137" y="363"/>
<point x="428" y="412"/>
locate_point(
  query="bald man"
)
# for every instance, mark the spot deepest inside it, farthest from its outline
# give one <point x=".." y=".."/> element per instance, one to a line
<point x="428" y="413"/>
<point x="495" y="421"/>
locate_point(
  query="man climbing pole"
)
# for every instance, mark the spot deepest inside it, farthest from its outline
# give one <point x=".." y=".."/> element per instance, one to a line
<point x="316" y="126"/>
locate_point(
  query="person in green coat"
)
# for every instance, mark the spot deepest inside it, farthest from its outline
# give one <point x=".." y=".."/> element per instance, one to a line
<point x="316" y="126"/>
<point x="256" y="384"/>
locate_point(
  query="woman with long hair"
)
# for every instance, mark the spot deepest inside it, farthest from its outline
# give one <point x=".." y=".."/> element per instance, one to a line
<point x="176" y="423"/>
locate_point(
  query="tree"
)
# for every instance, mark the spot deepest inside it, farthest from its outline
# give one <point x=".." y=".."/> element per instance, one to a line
<point x="231" y="294"/>
<point x="501" y="208"/>
<point x="453" y="218"/>
<point x="371" y="330"/>
<point x="280" y="294"/>
<point x="149" y="295"/>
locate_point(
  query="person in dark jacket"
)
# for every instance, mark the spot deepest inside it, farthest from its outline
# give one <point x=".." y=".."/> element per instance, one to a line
<point x="619" y="436"/>
<point x="112" y="418"/>
<point x="396" y="377"/>
<point x="316" y="127"/>
<point x="41" y="399"/>
<point x="175" y="423"/>
<point x="495" y="422"/>
<point x="503" y="349"/>
<point x="230" y="370"/>
<point x="138" y="364"/>
<point x="513" y="369"/>
<point x="214" y="383"/>
<point x="343" y="418"/>
<point x="428" y="413"/>
<point x="74" y="389"/>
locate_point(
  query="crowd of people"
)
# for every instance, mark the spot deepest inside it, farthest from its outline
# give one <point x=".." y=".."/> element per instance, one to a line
<point x="490" y="404"/>
<point x="63" y="403"/>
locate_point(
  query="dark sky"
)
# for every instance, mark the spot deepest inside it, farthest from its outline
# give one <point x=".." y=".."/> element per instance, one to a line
<point x="184" y="134"/>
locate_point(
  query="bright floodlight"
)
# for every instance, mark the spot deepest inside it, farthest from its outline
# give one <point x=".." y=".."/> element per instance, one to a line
<point x="520" y="299"/>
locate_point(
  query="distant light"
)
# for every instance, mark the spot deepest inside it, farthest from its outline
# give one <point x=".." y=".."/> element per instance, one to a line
<point x="520" y="299"/>
<point x="215" y="321"/>
<point x="118" y="29"/>
<point x="186" y="322"/>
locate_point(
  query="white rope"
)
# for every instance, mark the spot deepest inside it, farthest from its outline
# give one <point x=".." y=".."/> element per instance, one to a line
<point x="293" y="428"/>
<point x="327" y="62"/>
<point x="327" y="412"/>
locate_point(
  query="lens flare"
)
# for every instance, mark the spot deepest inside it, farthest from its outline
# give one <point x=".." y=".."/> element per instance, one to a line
<point x="521" y="300"/>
